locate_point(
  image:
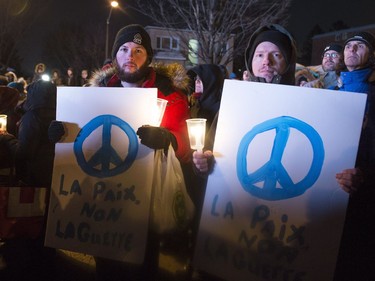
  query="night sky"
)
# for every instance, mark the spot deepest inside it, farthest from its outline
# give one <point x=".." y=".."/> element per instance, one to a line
<point x="304" y="15"/>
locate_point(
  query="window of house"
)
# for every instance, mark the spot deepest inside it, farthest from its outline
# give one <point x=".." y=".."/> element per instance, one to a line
<point x="167" y="43"/>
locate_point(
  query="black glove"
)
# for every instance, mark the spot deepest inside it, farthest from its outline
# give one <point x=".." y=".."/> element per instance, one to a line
<point x="8" y="146"/>
<point x="156" y="137"/>
<point x="55" y="131"/>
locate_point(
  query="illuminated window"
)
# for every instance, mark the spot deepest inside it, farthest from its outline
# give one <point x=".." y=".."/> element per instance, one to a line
<point x="167" y="43"/>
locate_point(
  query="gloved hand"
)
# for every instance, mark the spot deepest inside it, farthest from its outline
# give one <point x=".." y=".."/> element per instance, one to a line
<point x="8" y="147"/>
<point x="55" y="131"/>
<point x="156" y="137"/>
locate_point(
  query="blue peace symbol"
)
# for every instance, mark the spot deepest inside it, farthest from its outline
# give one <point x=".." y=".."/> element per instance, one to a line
<point x="273" y="171"/>
<point x="106" y="154"/>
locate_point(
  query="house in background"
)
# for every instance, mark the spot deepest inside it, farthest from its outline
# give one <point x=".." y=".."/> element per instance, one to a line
<point x="172" y="46"/>
<point x="339" y="36"/>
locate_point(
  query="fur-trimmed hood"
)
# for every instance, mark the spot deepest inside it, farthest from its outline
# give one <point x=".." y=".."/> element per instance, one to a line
<point x="174" y="74"/>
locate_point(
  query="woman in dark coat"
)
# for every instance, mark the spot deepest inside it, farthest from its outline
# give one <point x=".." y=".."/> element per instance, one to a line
<point x="32" y="151"/>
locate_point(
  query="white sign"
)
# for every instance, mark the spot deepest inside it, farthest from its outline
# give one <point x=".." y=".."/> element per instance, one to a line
<point x="102" y="176"/>
<point x="273" y="209"/>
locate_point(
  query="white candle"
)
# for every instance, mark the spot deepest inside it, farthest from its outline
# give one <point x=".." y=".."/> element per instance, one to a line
<point x="3" y="123"/>
<point x="196" y="130"/>
<point x="159" y="112"/>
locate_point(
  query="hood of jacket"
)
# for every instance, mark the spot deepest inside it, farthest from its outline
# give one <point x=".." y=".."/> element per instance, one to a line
<point x="212" y="78"/>
<point x="166" y="77"/>
<point x="41" y="94"/>
<point x="286" y="78"/>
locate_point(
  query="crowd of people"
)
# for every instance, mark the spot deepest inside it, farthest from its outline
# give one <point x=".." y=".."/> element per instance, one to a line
<point x="271" y="57"/>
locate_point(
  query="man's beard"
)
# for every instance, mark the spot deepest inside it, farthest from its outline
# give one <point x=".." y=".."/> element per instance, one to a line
<point x="134" y="77"/>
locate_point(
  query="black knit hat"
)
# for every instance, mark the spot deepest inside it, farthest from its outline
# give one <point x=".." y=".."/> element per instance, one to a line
<point x="276" y="37"/>
<point x="133" y="33"/>
<point x="332" y="47"/>
<point x="365" y="37"/>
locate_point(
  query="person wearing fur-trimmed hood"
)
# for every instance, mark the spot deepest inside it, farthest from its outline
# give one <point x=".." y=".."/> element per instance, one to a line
<point x="131" y="66"/>
<point x="132" y="55"/>
<point x="128" y="70"/>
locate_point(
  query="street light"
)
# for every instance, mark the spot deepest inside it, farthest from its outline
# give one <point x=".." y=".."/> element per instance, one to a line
<point x="114" y="4"/>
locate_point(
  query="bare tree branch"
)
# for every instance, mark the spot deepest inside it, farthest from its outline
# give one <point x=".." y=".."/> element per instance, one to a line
<point x="72" y="45"/>
<point x="213" y="22"/>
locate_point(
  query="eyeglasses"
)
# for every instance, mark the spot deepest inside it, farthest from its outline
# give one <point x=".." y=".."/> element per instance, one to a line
<point x="330" y="55"/>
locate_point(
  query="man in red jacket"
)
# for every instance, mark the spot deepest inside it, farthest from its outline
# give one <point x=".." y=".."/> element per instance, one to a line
<point x="130" y="67"/>
<point x="131" y="57"/>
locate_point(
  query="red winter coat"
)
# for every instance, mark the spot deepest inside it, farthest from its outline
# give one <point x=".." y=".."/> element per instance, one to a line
<point x="171" y="81"/>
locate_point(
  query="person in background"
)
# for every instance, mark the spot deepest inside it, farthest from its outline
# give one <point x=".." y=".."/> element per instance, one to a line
<point x="328" y="71"/>
<point x="3" y="80"/>
<point x="84" y="79"/>
<point x="208" y="84"/>
<point x="12" y="77"/>
<point x="357" y="251"/>
<point x="20" y="87"/>
<point x="56" y="77"/>
<point x="39" y="70"/>
<point x="33" y="155"/>
<point x="70" y="79"/>
<point x="204" y="102"/>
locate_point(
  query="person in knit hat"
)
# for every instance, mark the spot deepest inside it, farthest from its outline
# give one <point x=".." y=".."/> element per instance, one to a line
<point x="132" y="54"/>
<point x="328" y="72"/>
<point x="271" y="55"/>
<point x="333" y="51"/>
<point x="356" y="256"/>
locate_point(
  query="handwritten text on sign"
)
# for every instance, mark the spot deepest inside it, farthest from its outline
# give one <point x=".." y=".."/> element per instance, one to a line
<point x="102" y="176"/>
<point x="273" y="209"/>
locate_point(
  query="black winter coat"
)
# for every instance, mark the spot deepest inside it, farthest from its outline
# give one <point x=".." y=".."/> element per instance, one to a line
<point x="34" y="153"/>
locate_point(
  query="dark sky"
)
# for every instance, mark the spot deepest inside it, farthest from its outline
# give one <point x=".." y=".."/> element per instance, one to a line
<point x="304" y="15"/>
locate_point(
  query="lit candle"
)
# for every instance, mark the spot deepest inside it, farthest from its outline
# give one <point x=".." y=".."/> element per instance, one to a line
<point x="3" y="123"/>
<point x="159" y="112"/>
<point x="196" y="130"/>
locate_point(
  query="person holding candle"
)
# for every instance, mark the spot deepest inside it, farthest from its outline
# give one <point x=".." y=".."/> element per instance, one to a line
<point x="32" y="150"/>
<point x="132" y="55"/>
<point x="205" y="100"/>
<point x="32" y="154"/>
